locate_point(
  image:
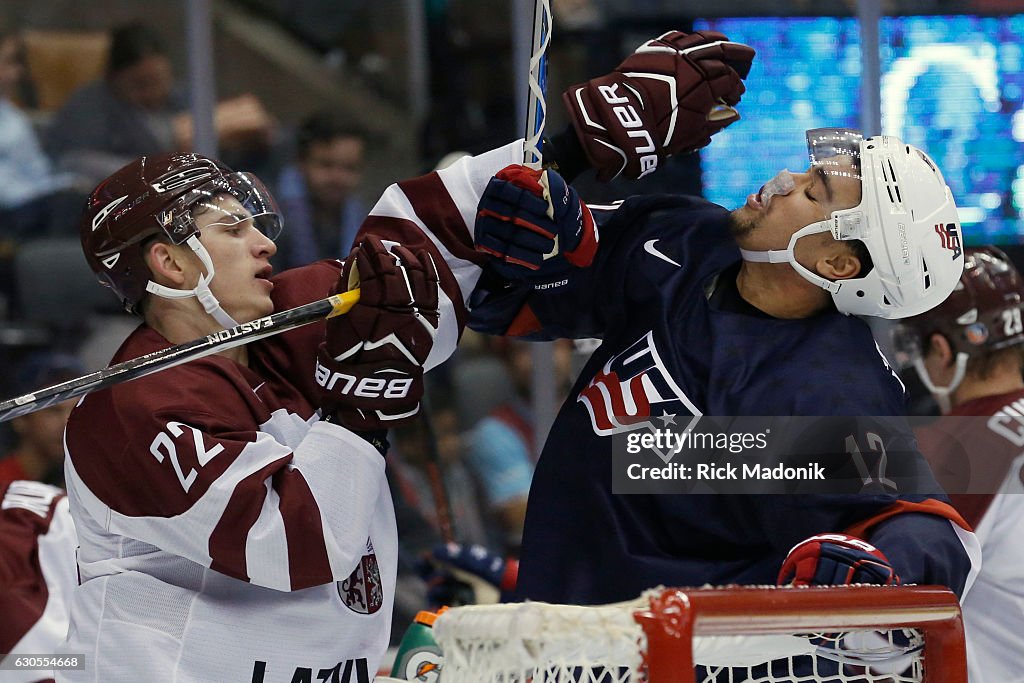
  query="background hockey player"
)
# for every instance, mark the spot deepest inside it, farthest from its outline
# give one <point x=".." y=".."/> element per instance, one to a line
<point x="969" y="351"/>
<point x="227" y="532"/>
<point x="769" y="330"/>
<point x="37" y="572"/>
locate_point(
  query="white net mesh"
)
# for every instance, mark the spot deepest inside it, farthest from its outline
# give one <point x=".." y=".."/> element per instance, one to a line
<point x="536" y="641"/>
<point x="544" y="643"/>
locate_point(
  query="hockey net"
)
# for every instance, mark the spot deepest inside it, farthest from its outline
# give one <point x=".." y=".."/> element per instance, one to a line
<point x="843" y="634"/>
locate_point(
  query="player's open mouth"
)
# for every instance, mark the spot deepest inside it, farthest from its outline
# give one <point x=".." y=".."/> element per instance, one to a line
<point x="264" y="275"/>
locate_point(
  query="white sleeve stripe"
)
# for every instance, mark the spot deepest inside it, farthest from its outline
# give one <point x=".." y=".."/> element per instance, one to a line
<point x="467" y="178"/>
<point x="394" y="204"/>
<point x="346" y="475"/>
<point x="187" y="535"/>
<point x="266" y="546"/>
<point x="344" y="510"/>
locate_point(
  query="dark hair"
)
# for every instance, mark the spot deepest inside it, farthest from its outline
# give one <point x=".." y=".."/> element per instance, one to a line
<point x="860" y="250"/>
<point x="324" y="126"/>
<point x="130" y="44"/>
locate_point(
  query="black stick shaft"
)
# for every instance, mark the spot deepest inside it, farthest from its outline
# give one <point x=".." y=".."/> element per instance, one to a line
<point x="176" y="355"/>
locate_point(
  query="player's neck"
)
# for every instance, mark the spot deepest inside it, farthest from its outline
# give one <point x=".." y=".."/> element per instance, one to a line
<point x="181" y="320"/>
<point x="779" y="291"/>
<point x="972" y="388"/>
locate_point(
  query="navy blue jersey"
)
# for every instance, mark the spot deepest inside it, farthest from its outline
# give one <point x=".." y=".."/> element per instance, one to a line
<point x="677" y="340"/>
<point x="674" y="345"/>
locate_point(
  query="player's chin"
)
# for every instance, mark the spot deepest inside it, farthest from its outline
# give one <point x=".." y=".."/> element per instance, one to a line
<point x="742" y="222"/>
<point x="259" y="307"/>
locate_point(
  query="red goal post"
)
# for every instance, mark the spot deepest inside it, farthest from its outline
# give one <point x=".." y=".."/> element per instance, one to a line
<point x="855" y="634"/>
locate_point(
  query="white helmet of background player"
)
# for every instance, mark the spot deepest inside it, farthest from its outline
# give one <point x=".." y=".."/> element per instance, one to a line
<point x="984" y="314"/>
<point x="906" y="219"/>
<point x="156" y="196"/>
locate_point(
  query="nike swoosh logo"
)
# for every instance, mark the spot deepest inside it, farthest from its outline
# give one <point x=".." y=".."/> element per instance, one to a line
<point x="649" y="248"/>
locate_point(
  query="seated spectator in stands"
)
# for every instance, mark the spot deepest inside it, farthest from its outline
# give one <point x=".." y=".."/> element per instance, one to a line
<point x="318" y="193"/>
<point x="135" y="110"/>
<point x="27" y="180"/>
<point x="38" y="452"/>
<point x="502" y="446"/>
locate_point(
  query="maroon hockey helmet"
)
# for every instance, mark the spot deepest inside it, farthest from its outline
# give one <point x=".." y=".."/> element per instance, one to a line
<point x="983" y="313"/>
<point x="153" y="196"/>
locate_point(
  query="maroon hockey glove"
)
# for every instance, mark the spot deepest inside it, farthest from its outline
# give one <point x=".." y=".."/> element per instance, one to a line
<point x="836" y="559"/>
<point x="535" y="225"/>
<point x="370" y="367"/>
<point x="669" y="96"/>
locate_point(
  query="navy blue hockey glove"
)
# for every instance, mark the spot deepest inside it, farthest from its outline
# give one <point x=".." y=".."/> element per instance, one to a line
<point x="459" y="574"/>
<point x="370" y="366"/>
<point x="534" y="224"/>
<point x="670" y="96"/>
<point x="836" y="559"/>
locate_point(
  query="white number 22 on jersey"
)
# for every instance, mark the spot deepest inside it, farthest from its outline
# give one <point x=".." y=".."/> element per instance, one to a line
<point x="163" y="446"/>
<point x="1012" y="323"/>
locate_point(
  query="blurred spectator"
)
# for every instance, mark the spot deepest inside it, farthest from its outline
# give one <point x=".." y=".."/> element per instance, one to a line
<point x="501" y="451"/>
<point x="135" y="110"/>
<point x="27" y="180"/>
<point x="318" y="193"/>
<point x="38" y="452"/>
<point x="415" y="451"/>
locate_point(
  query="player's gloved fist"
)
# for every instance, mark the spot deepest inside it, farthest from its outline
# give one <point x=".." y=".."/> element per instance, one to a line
<point x="370" y="366"/>
<point x="459" y="574"/>
<point x="534" y="224"/>
<point x="836" y="559"/>
<point x="670" y="96"/>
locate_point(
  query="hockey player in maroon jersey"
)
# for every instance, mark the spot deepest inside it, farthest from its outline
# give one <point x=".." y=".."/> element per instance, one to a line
<point x="702" y="312"/>
<point x="233" y="514"/>
<point x="969" y="352"/>
<point x="37" y="574"/>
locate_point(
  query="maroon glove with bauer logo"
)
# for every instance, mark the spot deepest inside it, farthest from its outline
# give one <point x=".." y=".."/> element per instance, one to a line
<point x="670" y="96"/>
<point x="370" y="367"/>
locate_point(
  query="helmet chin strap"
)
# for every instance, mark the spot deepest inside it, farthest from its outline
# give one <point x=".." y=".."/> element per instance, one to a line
<point x="787" y="256"/>
<point x="942" y="394"/>
<point x="202" y="289"/>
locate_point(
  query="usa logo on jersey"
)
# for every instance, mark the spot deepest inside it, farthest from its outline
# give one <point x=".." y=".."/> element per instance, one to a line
<point x="631" y="388"/>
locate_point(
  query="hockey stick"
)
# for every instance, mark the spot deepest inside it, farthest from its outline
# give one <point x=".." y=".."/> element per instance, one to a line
<point x="182" y="353"/>
<point x="435" y="472"/>
<point x="536" y="108"/>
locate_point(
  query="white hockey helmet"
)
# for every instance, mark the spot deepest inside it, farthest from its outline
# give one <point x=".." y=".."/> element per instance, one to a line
<point x="906" y="218"/>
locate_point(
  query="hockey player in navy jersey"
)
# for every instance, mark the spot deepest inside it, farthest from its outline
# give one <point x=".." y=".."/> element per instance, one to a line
<point x="702" y="311"/>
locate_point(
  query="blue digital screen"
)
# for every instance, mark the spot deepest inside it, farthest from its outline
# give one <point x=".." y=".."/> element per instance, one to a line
<point x="952" y="85"/>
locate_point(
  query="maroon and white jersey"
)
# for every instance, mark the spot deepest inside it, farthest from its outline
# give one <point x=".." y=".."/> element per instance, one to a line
<point x="226" y="534"/>
<point x="994" y="607"/>
<point x="37" y="572"/>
